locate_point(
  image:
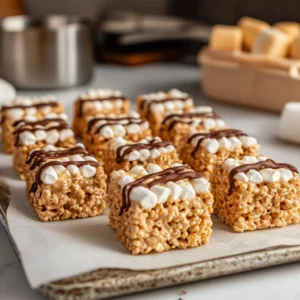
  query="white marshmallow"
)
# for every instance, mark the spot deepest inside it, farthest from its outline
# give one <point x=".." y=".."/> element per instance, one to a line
<point x="89" y="158"/>
<point x="40" y="135"/>
<point x="262" y="158"/>
<point x="138" y="170"/>
<point x="107" y="105"/>
<point x="65" y="134"/>
<point x="73" y="169"/>
<point x="220" y="123"/>
<point x="187" y="192"/>
<point x="289" y="121"/>
<point x="58" y="169"/>
<point x="88" y="171"/>
<point x="285" y="174"/>
<point x="224" y="142"/>
<point x="118" y="103"/>
<point x="15" y="113"/>
<point x="119" y="130"/>
<point x="31" y="111"/>
<point x="125" y="180"/>
<point x="154" y="153"/>
<point x="169" y="105"/>
<point x="80" y="145"/>
<point x="144" y="154"/>
<point x="175" y="190"/>
<point x="162" y="193"/>
<point x="178" y="104"/>
<point x="170" y="148"/>
<point x="248" y="141"/>
<point x="162" y="150"/>
<point x="118" y="142"/>
<point x="242" y="177"/>
<point x="27" y="138"/>
<point x="176" y="165"/>
<point x="235" y="142"/>
<point x="30" y="118"/>
<point x="133" y="128"/>
<point x="249" y="159"/>
<point x="211" y="145"/>
<point x="203" y="109"/>
<point x="46" y="109"/>
<point x="49" y="148"/>
<point x="270" y="175"/>
<point x="107" y="132"/>
<point x="133" y="156"/>
<point x="177" y="93"/>
<point x="153" y="168"/>
<point x="254" y="176"/>
<point x="76" y="157"/>
<point x="52" y="136"/>
<point x="157" y="107"/>
<point x="201" y="185"/>
<point x="143" y="196"/>
<point x="49" y="176"/>
<point x="134" y="114"/>
<point x="209" y="123"/>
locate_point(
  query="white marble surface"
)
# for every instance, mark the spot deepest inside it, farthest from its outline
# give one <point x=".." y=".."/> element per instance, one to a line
<point x="276" y="283"/>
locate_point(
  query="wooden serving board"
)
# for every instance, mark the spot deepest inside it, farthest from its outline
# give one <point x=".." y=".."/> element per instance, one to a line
<point x="103" y="283"/>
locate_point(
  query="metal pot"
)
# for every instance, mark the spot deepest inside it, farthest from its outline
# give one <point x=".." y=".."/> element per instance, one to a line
<point x="54" y="52"/>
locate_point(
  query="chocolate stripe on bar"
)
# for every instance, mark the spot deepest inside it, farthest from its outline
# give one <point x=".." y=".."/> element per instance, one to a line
<point x="211" y="115"/>
<point x="62" y="125"/>
<point x="82" y="101"/>
<point x="40" y="122"/>
<point x="38" y="180"/>
<point x="215" y="135"/>
<point x="37" y="157"/>
<point x="93" y="121"/>
<point x="36" y="105"/>
<point x="139" y="121"/>
<point x="173" y="174"/>
<point x="269" y="163"/>
<point x="138" y="146"/>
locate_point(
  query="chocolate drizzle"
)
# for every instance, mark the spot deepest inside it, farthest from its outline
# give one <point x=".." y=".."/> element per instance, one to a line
<point x="36" y="105"/>
<point x="93" y="121"/>
<point x="40" y="122"/>
<point x="37" y="157"/>
<point x="153" y="144"/>
<point x="269" y="163"/>
<point x="215" y="135"/>
<point x="82" y="101"/>
<point x="173" y="174"/>
<point x="62" y="125"/>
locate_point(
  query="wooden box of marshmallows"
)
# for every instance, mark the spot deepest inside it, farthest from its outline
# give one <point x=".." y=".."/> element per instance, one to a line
<point x="253" y="64"/>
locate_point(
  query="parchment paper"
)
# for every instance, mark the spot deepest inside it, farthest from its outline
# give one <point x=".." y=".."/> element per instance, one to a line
<point x="56" y="250"/>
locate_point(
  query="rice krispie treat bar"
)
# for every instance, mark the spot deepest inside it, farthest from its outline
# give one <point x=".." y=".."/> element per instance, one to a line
<point x="158" y="210"/>
<point x="124" y="154"/>
<point x="256" y="193"/>
<point x="204" y="151"/>
<point x="30" y="109"/>
<point x="65" y="184"/>
<point x="37" y="134"/>
<point x="94" y="102"/>
<point x="101" y="131"/>
<point x="176" y="127"/>
<point x="154" y="107"/>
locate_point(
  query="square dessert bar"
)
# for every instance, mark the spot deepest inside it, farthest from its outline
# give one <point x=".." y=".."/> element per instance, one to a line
<point x="124" y="154"/>
<point x="101" y="131"/>
<point x="94" y="102"/>
<point x="157" y="210"/>
<point x="256" y="193"/>
<point x="176" y="127"/>
<point x="30" y="109"/>
<point x="30" y="135"/>
<point x="204" y="151"/>
<point x="65" y="184"/>
<point x="154" y="107"/>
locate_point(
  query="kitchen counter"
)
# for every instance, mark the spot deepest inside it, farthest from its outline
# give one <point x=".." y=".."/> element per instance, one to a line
<point x="276" y="283"/>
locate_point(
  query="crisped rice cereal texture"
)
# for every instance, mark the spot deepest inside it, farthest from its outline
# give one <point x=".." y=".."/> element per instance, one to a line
<point x="256" y="206"/>
<point x="174" y="224"/>
<point x="70" y="197"/>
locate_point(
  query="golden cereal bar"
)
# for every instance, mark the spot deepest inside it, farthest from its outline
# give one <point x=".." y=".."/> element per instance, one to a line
<point x="37" y="134"/>
<point x="256" y="193"/>
<point x="204" y="151"/>
<point x="160" y="210"/>
<point x="29" y="109"/>
<point x="65" y="184"/>
<point x="97" y="101"/>
<point x="154" y="107"/>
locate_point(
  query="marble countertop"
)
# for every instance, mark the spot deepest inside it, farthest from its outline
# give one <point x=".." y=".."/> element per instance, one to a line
<point x="276" y="283"/>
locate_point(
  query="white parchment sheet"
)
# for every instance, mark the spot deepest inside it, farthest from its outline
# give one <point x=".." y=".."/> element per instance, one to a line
<point x="56" y="250"/>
